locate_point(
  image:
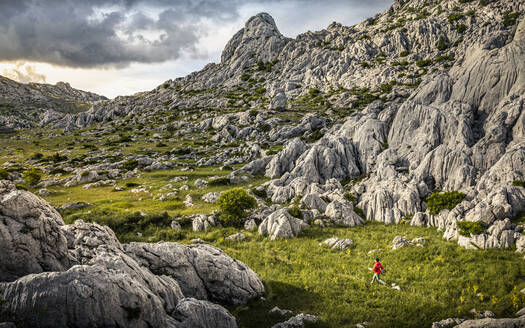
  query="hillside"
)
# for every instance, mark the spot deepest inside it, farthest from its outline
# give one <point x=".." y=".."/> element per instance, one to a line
<point x="402" y="137"/>
<point x="33" y="104"/>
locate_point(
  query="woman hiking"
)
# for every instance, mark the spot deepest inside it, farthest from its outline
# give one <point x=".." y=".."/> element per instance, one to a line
<point x="378" y="269"/>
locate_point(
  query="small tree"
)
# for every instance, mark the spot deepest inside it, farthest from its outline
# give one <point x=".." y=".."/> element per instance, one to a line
<point x="32" y="176"/>
<point x="234" y="205"/>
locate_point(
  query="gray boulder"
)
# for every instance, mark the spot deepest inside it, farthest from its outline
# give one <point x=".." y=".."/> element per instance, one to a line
<point x="30" y="235"/>
<point x="281" y="225"/>
<point x="299" y="321"/>
<point x="202" y="271"/>
<point x="81" y="297"/>
<point x="202" y="314"/>
<point x="341" y="212"/>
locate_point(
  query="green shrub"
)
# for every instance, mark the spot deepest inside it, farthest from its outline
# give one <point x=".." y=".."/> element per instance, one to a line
<point x="423" y="62"/>
<point x="3" y="174"/>
<point x="484" y="2"/>
<point x="20" y="186"/>
<point x="439" y="201"/>
<point x="57" y="158"/>
<point x="455" y="17"/>
<point x="166" y="85"/>
<point x="365" y="64"/>
<point x="461" y="28"/>
<point x="222" y="181"/>
<point x="58" y="170"/>
<point x="253" y="113"/>
<point x="130" y="164"/>
<point x="132" y="184"/>
<point x="314" y="136"/>
<point x="403" y="53"/>
<point x="350" y="197"/>
<point x="295" y="212"/>
<point x="510" y="18"/>
<point x="37" y="156"/>
<point x="84" y="174"/>
<point x="234" y="204"/>
<point x="32" y="176"/>
<point x="466" y="228"/>
<point x="160" y="144"/>
<point x="245" y="77"/>
<point x="259" y="193"/>
<point x="181" y="151"/>
<point x="519" y="183"/>
<point x="442" y="44"/>
<point x="360" y="212"/>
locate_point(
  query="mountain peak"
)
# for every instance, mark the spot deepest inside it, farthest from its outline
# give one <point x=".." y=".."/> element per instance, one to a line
<point x="261" y="24"/>
<point x="254" y="38"/>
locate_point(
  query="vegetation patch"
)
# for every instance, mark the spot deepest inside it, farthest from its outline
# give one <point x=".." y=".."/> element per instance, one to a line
<point x="466" y="228"/>
<point x="439" y="201"/>
<point x="234" y="205"/>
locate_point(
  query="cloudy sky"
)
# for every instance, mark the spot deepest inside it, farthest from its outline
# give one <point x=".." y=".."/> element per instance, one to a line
<point x="119" y="47"/>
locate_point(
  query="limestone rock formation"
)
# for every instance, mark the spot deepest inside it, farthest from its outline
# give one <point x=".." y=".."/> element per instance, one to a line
<point x="281" y="225"/>
<point x="80" y="275"/>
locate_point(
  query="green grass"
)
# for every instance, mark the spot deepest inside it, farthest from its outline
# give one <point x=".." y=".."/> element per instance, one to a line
<point x="437" y="281"/>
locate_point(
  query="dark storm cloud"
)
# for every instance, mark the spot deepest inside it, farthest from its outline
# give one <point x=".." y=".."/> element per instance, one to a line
<point x="98" y="33"/>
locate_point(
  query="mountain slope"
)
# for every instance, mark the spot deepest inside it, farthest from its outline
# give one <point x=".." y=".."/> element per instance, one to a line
<point x="25" y="105"/>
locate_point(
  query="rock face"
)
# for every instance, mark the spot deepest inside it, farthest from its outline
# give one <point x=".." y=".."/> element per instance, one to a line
<point x="31" y="237"/>
<point x="281" y="225"/>
<point x="203" y="271"/>
<point x="81" y="276"/>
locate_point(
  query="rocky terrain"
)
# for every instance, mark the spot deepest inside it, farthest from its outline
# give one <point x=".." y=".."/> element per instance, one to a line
<point x="413" y="117"/>
<point x="28" y="105"/>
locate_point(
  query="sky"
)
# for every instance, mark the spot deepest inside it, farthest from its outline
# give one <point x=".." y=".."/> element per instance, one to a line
<point x="119" y="47"/>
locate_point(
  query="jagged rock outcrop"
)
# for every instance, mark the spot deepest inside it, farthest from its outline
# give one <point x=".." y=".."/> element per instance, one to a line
<point x="281" y="225"/>
<point x="79" y="275"/>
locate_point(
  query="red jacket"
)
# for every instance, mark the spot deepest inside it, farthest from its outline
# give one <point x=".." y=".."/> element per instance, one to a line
<point x="378" y="268"/>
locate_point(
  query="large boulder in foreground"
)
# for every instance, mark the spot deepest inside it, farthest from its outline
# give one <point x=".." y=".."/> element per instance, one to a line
<point x="83" y="296"/>
<point x="203" y="271"/>
<point x="31" y="240"/>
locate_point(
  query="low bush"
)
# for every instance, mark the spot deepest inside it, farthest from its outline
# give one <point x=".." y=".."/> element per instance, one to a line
<point x="130" y="165"/>
<point x="3" y="174"/>
<point x="295" y="211"/>
<point x="455" y="17"/>
<point x="510" y="18"/>
<point x="234" y="204"/>
<point x="222" y="181"/>
<point x="465" y="228"/>
<point x="461" y="28"/>
<point x="519" y="183"/>
<point x="32" y="176"/>
<point x="132" y="184"/>
<point x="20" y="186"/>
<point x="439" y="201"/>
<point x="442" y="44"/>
<point x="58" y="170"/>
<point x="37" y="156"/>
<point x="350" y="197"/>
<point x="259" y="192"/>
<point x="423" y="62"/>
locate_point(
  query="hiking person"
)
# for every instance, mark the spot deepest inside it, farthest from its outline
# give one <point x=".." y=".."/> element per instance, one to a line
<point x="378" y="269"/>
